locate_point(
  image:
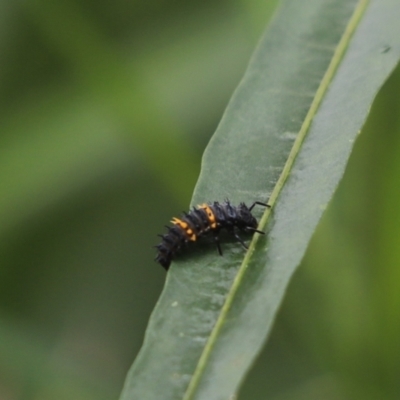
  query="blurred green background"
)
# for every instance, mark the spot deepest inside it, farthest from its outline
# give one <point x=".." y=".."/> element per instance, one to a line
<point x="106" y="108"/>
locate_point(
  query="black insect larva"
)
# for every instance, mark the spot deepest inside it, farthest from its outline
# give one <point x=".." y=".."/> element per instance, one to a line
<point x="204" y="219"/>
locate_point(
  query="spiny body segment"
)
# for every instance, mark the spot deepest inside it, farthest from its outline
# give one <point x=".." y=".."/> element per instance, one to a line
<point x="206" y="219"/>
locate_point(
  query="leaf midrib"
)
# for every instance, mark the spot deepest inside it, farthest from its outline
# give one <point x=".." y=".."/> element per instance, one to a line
<point x="319" y="95"/>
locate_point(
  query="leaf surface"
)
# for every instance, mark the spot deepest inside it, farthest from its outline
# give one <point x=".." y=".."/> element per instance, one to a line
<point x="286" y="135"/>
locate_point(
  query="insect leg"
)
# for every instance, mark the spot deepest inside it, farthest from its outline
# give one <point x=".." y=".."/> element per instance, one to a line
<point x="255" y="230"/>
<point x="259" y="204"/>
<point x="240" y="240"/>
<point x="217" y="243"/>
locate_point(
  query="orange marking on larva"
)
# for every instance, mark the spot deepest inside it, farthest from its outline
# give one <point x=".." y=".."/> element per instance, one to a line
<point x="185" y="226"/>
<point x="192" y="236"/>
<point x="210" y="215"/>
<point x="177" y="221"/>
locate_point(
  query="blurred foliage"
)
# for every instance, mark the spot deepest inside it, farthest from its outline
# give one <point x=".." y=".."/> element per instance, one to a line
<point x="87" y="89"/>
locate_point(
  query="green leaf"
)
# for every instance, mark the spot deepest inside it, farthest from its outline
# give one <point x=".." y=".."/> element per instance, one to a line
<point x="286" y="135"/>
